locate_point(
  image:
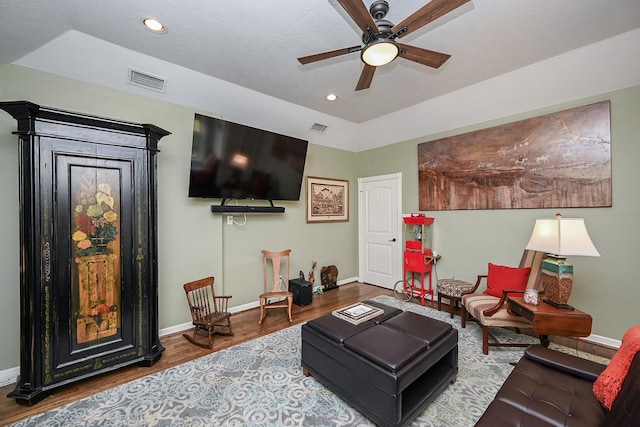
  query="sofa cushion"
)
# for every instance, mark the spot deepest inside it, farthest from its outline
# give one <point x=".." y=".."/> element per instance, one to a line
<point x="502" y="414"/>
<point x="535" y="392"/>
<point x="608" y="384"/>
<point x="505" y="278"/>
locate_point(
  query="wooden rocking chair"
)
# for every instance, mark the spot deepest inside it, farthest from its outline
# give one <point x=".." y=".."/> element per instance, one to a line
<point x="209" y="312"/>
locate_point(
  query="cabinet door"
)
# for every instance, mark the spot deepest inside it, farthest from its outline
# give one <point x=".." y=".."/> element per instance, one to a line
<point x="95" y="295"/>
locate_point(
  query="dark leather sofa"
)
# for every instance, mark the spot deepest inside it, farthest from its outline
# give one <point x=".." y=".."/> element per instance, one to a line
<point x="550" y="388"/>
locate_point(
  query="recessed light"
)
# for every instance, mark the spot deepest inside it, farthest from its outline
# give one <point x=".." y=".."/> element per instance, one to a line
<point x="332" y="97"/>
<point x="154" y="25"/>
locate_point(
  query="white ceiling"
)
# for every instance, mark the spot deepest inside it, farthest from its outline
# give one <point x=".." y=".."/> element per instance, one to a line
<point x="255" y="44"/>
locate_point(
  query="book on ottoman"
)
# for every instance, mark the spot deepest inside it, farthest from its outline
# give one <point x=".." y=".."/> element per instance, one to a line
<point x="357" y="313"/>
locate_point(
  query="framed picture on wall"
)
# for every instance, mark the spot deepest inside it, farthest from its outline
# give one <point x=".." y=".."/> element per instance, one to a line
<point x="327" y="199"/>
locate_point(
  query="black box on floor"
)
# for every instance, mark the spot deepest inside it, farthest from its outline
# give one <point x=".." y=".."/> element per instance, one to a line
<point x="301" y="290"/>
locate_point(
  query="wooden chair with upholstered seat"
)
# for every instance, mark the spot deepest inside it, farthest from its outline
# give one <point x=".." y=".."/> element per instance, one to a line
<point x="209" y="313"/>
<point x="276" y="294"/>
<point x="491" y="311"/>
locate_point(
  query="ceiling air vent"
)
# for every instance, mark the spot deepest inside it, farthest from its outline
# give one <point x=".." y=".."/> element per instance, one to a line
<point x="317" y="127"/>
<point x="146" y="80"/>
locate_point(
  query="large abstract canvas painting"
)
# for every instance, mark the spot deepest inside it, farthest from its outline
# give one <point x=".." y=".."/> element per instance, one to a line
<point x="557" y="160"/>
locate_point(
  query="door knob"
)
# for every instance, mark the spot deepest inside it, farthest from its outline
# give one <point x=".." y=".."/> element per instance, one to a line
<point x="393" y="240"/>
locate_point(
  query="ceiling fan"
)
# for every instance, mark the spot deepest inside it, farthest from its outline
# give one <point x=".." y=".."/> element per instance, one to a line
<point x="379" y="36"/>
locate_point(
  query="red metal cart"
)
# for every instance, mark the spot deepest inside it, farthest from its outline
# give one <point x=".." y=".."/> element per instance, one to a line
<point x="418" y="258"/>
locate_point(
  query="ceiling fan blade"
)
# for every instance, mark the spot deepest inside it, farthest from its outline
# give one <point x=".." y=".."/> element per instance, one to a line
<point x="427" y="13"/>
<point x="365" y="77"/>
<point x="326" y="55"/>
<point x="359" y="13"/>
<point x="422" y="56"/>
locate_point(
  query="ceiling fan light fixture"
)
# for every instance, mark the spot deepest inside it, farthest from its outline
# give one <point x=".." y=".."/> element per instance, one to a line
<point x="380" y="52"/>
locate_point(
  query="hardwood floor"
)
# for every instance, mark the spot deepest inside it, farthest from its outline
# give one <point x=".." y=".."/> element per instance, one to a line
<point x="245" y="327"/>
<point x="178" y="350"/>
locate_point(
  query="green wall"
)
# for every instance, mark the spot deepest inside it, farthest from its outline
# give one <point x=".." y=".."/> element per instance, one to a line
<point x="605" y="287"/>
<point x="193" y="242"/>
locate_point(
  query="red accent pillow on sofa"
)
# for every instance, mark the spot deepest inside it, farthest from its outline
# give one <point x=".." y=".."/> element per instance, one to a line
<point x="502" y="278"/>
<point x="608" y="384"/>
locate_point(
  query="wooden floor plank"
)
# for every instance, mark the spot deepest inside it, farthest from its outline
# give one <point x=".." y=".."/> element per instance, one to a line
<point x="178" y="350"/>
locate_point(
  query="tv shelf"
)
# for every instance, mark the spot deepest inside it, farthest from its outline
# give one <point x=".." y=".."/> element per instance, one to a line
<point x="246" y="209"/>
<point x="222" y="208"/>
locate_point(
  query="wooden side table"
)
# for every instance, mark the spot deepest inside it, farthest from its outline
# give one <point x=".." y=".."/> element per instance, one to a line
<point x="548" y="320"/>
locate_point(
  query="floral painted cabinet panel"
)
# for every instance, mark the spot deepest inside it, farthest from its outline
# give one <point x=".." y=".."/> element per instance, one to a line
<point x="88" y="282"/>
<point x="99" y="230"/>
<point x="96" y="312"/>
<point x="98" y="201"/>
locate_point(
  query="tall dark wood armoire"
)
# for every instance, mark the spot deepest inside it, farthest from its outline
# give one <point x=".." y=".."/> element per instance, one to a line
<point x="88" y="246"/>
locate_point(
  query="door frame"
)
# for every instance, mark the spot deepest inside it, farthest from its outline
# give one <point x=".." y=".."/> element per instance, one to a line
<point x="397" y="177"/>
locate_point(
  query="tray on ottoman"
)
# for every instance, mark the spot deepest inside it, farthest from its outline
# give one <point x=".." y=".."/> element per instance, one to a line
<point x="389" y="367"/>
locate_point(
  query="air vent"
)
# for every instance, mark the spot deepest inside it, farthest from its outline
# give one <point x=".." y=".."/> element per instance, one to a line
<point x="317" y="127"/>
<point x="147" y="81"/>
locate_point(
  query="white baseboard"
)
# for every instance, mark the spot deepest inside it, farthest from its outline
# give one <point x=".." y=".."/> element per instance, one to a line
<point x="9" y="376"/>
<point x="345" y="281"/>
<point x="608" y="342"/>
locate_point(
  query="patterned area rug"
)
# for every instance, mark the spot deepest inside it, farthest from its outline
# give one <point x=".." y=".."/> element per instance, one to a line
<point x="260" y="383"/>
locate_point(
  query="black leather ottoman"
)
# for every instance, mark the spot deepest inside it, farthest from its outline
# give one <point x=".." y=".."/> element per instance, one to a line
<point x="389" y="368"/>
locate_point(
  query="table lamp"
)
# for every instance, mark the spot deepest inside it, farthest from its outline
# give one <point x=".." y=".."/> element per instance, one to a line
<point x="558" y="238"/>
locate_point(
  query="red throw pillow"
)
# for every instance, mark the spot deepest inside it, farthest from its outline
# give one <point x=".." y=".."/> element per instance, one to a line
<point x="608" y="384"/>
<point x="502" y="278"/>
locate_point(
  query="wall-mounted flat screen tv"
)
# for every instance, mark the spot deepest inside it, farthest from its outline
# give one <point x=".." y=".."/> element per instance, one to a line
<point x="234" y="161"/>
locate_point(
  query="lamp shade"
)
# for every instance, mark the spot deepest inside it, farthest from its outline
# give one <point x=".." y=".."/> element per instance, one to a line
<point x="562" y="236"/>
<point x="380" y="52"/>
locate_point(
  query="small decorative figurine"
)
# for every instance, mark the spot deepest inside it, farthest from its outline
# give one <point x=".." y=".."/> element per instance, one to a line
<point x="329" y="277"/>
<point x="312" y="279"/>
<point x="301" y="274"/>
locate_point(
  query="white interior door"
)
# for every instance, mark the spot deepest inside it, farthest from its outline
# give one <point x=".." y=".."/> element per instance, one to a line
<point x="380" y="229"/>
